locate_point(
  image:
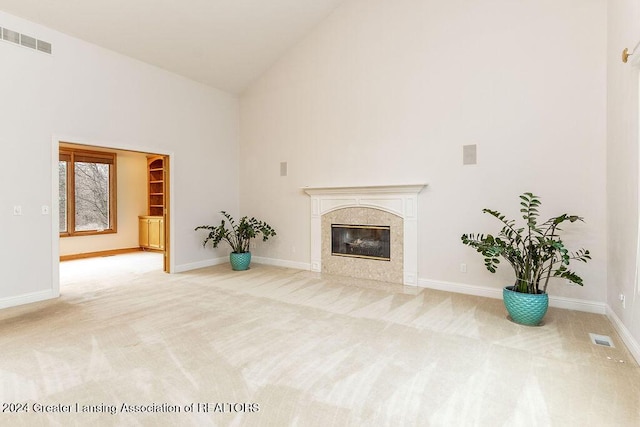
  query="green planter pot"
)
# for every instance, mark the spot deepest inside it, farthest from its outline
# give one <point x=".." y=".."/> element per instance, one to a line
<point x="526" y="309"/>
<point x="240" y="261"/>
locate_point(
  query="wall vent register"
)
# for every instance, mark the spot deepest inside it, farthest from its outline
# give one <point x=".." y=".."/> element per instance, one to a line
<point x="24" y="40"/>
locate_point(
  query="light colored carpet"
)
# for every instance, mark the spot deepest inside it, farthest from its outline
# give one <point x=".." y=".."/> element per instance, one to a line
<point x="305" y="349"/>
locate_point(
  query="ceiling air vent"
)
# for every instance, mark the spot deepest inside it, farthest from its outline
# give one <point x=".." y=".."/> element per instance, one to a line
<point x="24" y="40"/>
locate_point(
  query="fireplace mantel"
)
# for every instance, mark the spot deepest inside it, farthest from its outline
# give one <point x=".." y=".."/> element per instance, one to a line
<point x="372" y="189"/>
<point x="401" y="200"/>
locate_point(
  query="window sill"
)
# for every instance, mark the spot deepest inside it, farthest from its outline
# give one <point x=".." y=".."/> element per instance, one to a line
<point x="87" y="233"/>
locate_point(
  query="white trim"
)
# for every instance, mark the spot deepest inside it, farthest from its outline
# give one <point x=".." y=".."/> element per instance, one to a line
<point x="28" y="298"/>
<point x="200" y="264"/>
<point x="461" y="288"/>
<point x="114" y="145"/>
<point x="636" y="286"/>
<point x="281" y="263"/>
<point x="625" y="334"/>
<point x="578" y="304"/>
<point x="54" y="211"/>
<point x="258" y="260"/>
<point x="370" y="189"/>
<point x="483" y="291"/>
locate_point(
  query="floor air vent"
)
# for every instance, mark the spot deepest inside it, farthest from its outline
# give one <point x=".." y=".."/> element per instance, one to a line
<point x="601" y="340"/>
<point x="24" y="40"/>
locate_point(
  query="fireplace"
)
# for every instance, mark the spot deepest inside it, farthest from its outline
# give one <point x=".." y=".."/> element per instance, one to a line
<point x="393" y="206"/>
<point x="361" y="241"/>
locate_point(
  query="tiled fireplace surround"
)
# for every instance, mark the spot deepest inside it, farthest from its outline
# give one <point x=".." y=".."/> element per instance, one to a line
<point x="371" y="205"/>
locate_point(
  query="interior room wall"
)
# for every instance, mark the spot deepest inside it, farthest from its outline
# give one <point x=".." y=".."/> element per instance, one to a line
<point x="131" y="188"/>
<point x="622" y="171"/>
<point x="388" y="92"/>
<point x="84" y="94"/>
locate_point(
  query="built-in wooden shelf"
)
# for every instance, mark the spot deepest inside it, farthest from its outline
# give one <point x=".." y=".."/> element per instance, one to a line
<point x="152" y="225"/>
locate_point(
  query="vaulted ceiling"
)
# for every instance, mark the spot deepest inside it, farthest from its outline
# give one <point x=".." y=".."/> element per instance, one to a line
<point x="222" y="43"/>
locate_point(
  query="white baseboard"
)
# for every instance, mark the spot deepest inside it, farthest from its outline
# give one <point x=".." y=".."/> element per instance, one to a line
<point x="28" y="298"/>
<point x="259" y="260"/>
<point x="482" y="291"/>
<point x="625" y="334"/>
<point x="578" y="304"/>
<point x="200" y="264"/>
<point x="282" y="263"/>
<point x="461" y="288"/>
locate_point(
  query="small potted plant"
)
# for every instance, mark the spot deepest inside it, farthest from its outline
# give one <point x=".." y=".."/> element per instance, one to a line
<point x="535" y="252"/>
<point x="238" y="236"/>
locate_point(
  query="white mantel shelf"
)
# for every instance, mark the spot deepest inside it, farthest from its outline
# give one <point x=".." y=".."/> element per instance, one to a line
<point x="401" y="200"/>
<point x="371" y="189"/>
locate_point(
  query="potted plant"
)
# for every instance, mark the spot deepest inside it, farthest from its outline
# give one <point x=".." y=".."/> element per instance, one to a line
<point x="238" y="236"/>
<point x="535" y="252"/>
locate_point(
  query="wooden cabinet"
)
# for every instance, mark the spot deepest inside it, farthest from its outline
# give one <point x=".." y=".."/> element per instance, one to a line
<point x="151" y="232"/>
<point x="151" y="226"/>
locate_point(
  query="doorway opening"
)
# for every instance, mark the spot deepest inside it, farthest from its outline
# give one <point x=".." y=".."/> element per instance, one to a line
<point x="142" y="209"/>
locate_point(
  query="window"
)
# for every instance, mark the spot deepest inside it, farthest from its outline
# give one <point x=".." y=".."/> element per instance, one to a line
<point x="87" y="192"/>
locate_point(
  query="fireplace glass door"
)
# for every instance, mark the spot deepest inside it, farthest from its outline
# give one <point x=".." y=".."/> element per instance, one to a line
<point x="361" y="241"/>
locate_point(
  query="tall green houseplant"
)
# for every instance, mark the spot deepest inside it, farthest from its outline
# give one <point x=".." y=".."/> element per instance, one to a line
<point x="535" y="252"/>
<point x="238" y="236"/>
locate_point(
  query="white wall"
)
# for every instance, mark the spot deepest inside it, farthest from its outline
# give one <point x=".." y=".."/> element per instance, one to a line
<point x="388" y="92"/>
<point x="131" y="202"/>
<point x="622" y="171"/>
<point x="89" y="95"/>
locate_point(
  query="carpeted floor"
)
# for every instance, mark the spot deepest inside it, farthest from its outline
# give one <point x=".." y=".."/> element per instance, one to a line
<point x="279" y="347"/>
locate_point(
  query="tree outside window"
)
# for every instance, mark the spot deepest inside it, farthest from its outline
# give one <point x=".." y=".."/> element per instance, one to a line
<point x="86" y="192"/>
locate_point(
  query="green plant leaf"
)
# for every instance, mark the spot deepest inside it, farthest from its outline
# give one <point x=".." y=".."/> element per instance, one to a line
<point x="535" y="252"/>
<point x="239" y="234"/>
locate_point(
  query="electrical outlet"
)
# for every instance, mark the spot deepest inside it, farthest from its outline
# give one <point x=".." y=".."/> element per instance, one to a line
<point x="623" y="301"/>
<point x="463" y="268"/>
<point x="17" y="210"/>
<point x="45" y="210"/>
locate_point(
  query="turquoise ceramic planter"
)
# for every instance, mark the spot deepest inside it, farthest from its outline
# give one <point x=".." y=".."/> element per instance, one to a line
<point x="240" y="261"/>
<point x="526" y="309"/>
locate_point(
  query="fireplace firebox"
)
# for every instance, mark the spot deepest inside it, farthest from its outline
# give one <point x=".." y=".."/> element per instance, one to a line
<point x="361" y="241"/>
